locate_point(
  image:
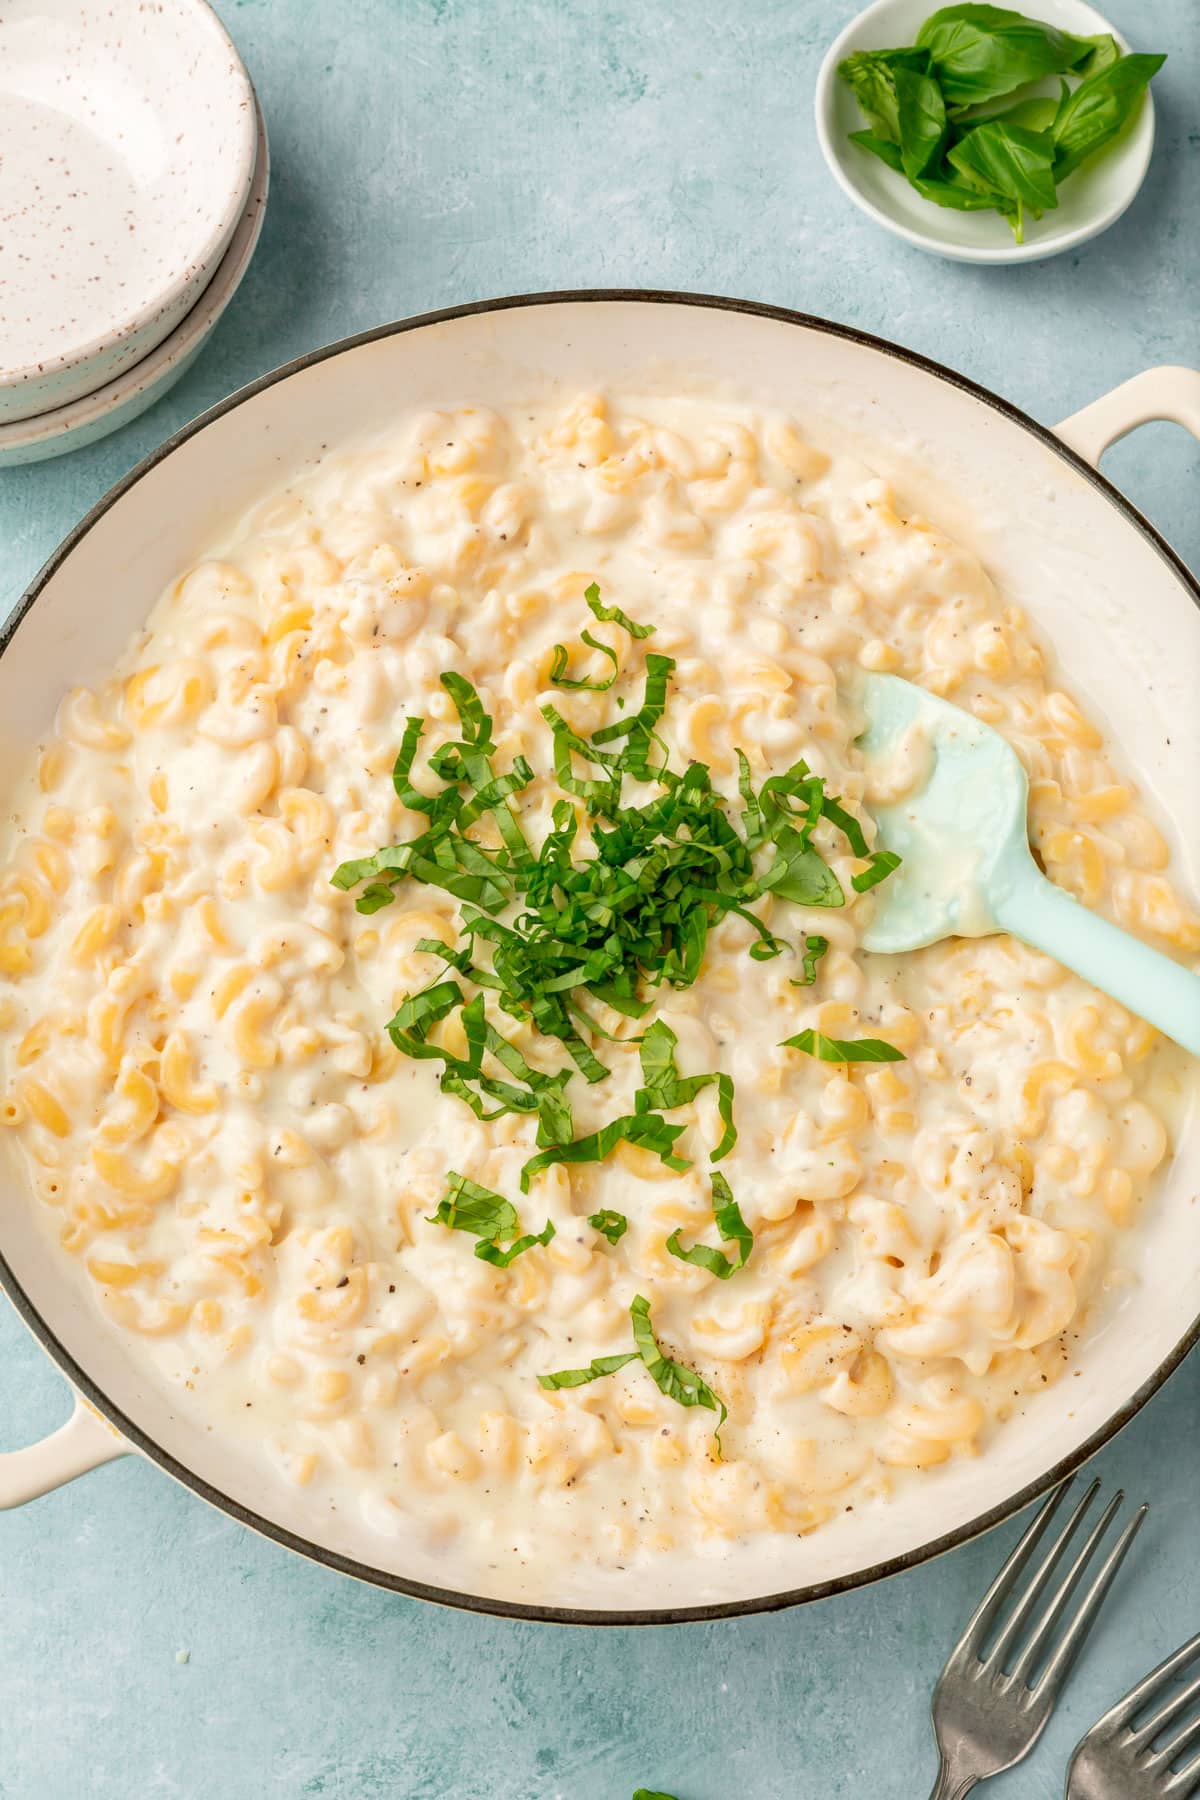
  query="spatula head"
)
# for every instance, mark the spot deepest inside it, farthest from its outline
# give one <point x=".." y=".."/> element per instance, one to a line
<point x="960" y="825"/>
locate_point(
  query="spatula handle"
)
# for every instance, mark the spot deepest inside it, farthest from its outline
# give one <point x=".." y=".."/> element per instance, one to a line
<point x="1148" y="983"/>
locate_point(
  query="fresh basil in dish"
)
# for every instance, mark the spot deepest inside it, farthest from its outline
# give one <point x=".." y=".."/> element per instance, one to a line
<point x="942" y="111"/>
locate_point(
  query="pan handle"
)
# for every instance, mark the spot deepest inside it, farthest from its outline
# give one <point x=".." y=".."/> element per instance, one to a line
<point x="83" y="1443"/>
<point x="1170" y="392"/>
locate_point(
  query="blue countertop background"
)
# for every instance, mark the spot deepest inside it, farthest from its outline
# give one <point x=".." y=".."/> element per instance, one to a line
<point x="427" y="152"/>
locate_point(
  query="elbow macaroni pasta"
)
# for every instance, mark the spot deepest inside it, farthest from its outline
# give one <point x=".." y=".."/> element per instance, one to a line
<point x="195" y="1075"/>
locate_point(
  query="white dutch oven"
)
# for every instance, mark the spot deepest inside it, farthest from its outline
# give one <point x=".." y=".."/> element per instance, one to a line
<point x="1058" y="538"/>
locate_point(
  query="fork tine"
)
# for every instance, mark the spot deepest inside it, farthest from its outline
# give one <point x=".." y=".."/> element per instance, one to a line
<point x="1184" y="1738"/>
<point x="1127" y="1709"/>
<point x="1186" y="1781"/>
<point x="1066" y="1589"/>
<point x="1033" y="1592"/>
<point x="1062" y="1662"/>
<point x="1002" y="1586"/>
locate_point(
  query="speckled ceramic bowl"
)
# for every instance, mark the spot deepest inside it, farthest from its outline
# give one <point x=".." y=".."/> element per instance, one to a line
<point x="127" y="148"/>
<point x="129" y="393"/>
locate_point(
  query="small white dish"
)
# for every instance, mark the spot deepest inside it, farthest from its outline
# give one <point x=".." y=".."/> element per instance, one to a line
<point x="121" y="400"/>
<point x="127" y="144"/>
<point x="1090" y="201"/>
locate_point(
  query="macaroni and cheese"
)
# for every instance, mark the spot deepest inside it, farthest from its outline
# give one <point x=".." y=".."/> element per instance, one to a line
<point x="215" y="1123"/>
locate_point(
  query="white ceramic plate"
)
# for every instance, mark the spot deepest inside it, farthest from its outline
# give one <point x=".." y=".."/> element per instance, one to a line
<point x="1050" y="530"/>
<point x="127" y="141"/>
<point x="1089" y="201"/>
<point x="83" y="421"/>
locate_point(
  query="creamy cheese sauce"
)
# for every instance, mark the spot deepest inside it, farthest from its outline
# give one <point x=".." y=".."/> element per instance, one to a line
<point x="214" y="1124"/>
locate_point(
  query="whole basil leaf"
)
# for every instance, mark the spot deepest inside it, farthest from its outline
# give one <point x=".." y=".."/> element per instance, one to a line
<point x="1105" y="50"/>
<point x="960" y="196"/>
<point x="872" y="75"/>
<point x="921" y="116"/>
<point x="951" y="191"/>
<point x="980" y="52"/>
<point x="1008" y="160"/>
<point x="1099" y="110"/>
<point x="1038" y="113"/>
<point x="883" y="148"/>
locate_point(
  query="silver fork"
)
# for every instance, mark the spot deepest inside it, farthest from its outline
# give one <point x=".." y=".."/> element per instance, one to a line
<point x="1115" y="1761"/>
<point x="992" y="1700"/>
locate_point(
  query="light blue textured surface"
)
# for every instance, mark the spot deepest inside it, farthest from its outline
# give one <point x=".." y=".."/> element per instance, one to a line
<point x="428" y="152"/>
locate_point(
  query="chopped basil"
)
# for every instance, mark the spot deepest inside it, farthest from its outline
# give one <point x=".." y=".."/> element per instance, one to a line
<point x="836" y="1050"/>
<point x="733" y="1229"/>
<point x="665" y="1087"/>
<point x="464" y="1076"/>
<point x="639" y="726"/>
<point x="599" y="1366"/>
<point x="492" y="1253"/>
<point x="815" y="948"/>
<point x="881" y="864"/>
<point x="612" y="615"/>
<point x="603" y="794"/>
<point x="543" y="930"/>
<point x="801" y="873"/>
<point x="613" y="1225"/>
<point x="561" y="663"/>
<point x="674" y="1379"/>
<point x="467" y="1206"/>
<point x="646" y="1129"/>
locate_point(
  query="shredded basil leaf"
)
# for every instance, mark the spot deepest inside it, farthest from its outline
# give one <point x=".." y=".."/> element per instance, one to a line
<point x="880" y="866"/>
<point x="476" y="724"/>
<point x="639" y="726"/>
<point x="468" y="1206"/>
<point x="733" y="1229"/>
<point x="801" y="874"/>
<point x="612" y="615"/>
<point x="666" y="1088"/>
<point x="674" y="1379"/>
<point x="492" y="1253"/>
<point x="416" y="1017"/>
<point x="604" y="794"/>
<point x="561" y="663"/>
<point x="646" y="1129"/>
<point x="815" y="948"/>
<point x="871" y="1050"/>
<point x="599" y="1366"/>
<point x="613" y="1225"/>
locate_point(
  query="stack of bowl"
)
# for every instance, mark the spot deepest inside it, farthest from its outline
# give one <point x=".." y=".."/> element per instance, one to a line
<point x="133" y="185"/>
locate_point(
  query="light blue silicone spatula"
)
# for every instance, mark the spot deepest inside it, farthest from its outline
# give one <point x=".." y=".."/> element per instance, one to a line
<point x="967" y="868"/>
